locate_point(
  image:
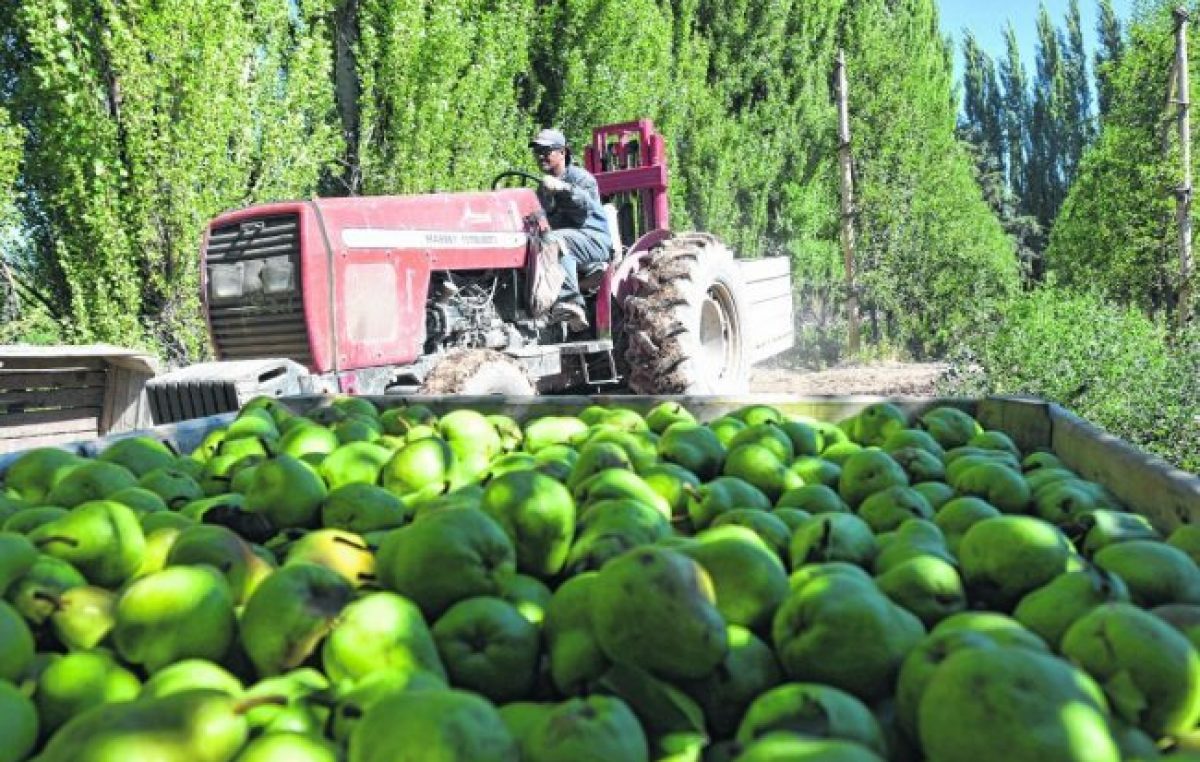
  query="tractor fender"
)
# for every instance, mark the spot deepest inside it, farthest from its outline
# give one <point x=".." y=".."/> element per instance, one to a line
<point x="617" y="282"/>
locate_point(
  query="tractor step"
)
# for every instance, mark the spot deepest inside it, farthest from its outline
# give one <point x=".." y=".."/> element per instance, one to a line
<point x="595" y="359"/>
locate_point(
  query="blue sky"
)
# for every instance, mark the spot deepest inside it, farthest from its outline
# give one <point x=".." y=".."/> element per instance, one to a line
<point x="987" y="19"/>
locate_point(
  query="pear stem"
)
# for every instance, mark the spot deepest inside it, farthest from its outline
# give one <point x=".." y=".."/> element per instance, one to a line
<point x="74" y="543"/>
<point x="253" y="702"/>
<point x="51" y="598"/>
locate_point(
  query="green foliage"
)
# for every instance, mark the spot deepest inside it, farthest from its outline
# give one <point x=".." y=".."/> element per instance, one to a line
<point x="1107" y="363"/>
<point x="931" y="253"/>
<point x="1116" y="230"/>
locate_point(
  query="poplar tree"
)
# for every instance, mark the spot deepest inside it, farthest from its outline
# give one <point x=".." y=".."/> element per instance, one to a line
<point x="1108" y="53"/>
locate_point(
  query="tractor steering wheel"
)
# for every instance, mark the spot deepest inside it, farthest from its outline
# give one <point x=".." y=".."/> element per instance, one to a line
<point x="522" y="177"/>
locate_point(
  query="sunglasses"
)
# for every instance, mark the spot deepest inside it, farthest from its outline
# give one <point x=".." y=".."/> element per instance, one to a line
<point x="543" y="151"/>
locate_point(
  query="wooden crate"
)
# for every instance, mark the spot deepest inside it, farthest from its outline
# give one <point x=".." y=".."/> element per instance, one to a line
<point x="59" y="394"/>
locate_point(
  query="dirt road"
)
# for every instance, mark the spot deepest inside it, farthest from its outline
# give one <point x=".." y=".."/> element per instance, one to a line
<point x="885" y="379"/>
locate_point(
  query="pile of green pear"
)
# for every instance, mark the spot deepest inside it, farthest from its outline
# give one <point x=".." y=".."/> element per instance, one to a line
<point x="360" y="584"/>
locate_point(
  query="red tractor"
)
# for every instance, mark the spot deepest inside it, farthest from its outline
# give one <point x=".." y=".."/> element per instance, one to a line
<point x="431" y="294"/>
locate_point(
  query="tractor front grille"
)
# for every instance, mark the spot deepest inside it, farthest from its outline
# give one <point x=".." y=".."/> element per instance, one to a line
<point x="256" y="304"/>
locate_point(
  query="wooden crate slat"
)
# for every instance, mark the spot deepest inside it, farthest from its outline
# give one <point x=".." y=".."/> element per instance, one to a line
<point x="56" y="378"/>
<point x="53" y="363"/>
<point x="39" y="399"/>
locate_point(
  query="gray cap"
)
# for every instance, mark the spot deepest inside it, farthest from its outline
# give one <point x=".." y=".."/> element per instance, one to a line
<point x="549" y="138"/>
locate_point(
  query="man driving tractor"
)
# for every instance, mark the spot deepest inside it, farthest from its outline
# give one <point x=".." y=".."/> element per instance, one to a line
<point x="575" y="228"/>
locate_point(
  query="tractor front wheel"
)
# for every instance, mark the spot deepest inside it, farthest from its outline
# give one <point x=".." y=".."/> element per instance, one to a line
<point x="478" y="371"/>
<point x="684" y="325"/>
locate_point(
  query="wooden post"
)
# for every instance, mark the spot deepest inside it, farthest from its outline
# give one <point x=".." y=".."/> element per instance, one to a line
<point x="847" y="221"/>
<point x="1183" y="194"/>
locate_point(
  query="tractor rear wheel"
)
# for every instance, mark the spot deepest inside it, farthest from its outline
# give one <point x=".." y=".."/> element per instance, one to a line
<point x="684" y="330"/>
<point x="478" y="371"/>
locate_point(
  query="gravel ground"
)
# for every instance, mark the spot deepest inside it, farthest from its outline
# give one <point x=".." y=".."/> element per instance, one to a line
<point x="888" y="379"/>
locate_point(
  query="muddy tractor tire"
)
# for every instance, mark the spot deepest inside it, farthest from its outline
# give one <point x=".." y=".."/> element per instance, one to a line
<point x="684" y="326"/>
<point x="477" y="372"/>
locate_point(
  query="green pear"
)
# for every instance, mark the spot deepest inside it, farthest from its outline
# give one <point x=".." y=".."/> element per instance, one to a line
<point x="1001" y="628"/>
<point x="362" y="508"/>
<point x="611" y="527"/>
<point x="354" y="463"/>
<point x="890" y="507"/>
<point x="35" y="472"/>
<point x="222" y="549"/>
<point x="509" y="431"/>
<point x="252" y="423"/>
<point x="34" y="593"/>
<point x="160" y="520"/>
<point x="308" y="439"/>
<point x="175" y="486"/>
<point x="343" y="552"/>
<point x="553" y="430"/>
<point x="806" y="437"/>
<point x="867" y="472"/>
<point x="960" y="514"/>
<point x="792" y="517"/>
<point x="937" y="493"/>
<point x="289" y="747"/>
<point x="1052" y="608"/>
<point x="813" y="498"/>
<point x="1003" y="487"/>
<point x="357" y="429"/>
<point x="749" y="579"/>
<point x="672" y="721"/>
<point x="694" y="447"/>
<point x="768" y="434"/>
<point x="1102" y="527"/>
<point x="748" y="670"/>
<point x="83" y="617"/>
<point x="624" y="418"/>
<point x="769" y="527"/>
<point x="817" y="470"/>
<point x="843" y="632"/>
<point x="812" y="710"/>
<point x="1010" y="703"/>
<point x="91" y="480"/>
<point x="528" y="595"/>
<point x="660" y="417"/>
<point x="190" y="675"/>
<point x="926" y="586"/>
<point x="26" y="520"/>
<point x="380" y="630"/>
<point x="617" y="483"/>
<point x="16" y="644"/>
<point x="641" y="447"/>
<point x="293" y="701"/>
<point x="468" y="541"/>
<point x="398" y="420"/>
<point x="488" y="647"/>
<point x="757" y="413"/>
<point x="916" y="538"/>
<point x="1183" y="617"/>
<point x="761" y="467"/>
<point x="1006" y="557"/>
<point x="366" y="692"/>
<point x="17" y="556"/>
<point x="18" y="723"/>
<point x="102" y="538"/>
<point x="595" y="457"/>
<point x="76" y="682"/>
<point x="1186" y="537"/>
<point x="726" y="428"/>
<point x="656" y="608"/>
<point x="809" y="572"/>
<point x="796" y="748"/>
<point x="875" y="423"/>
<point x="921" y="663"/>
<point x="449" y="725"/>
<point x="1155" y="573"/>
<point x="194" y="726"/>
<point x="289" y="614"/>
<point x="141" y="500"/>
<point x="1064" y="501"/>
<point x="1149" y="670"/>
<point x="556" y="461"/>
<point x="833" y="537"/>
<point x="720" y="495"/>
<point x="217" y="474"/>
<point x="288" y="491"/>
<point x="538" y="515"/>
<point x="1042" y="478"/>
<point x="511" y="461"/>
<point x="911" y="437"/>
<point x="182" y="612"/>
<point x="138" y="454"/>
<point x="575" y="655"/>
<point x="920" y="465"/>
<point x="10" y="503"/>
<point x="599" y="728"/>
<point x="993" y="439"/>
<point x="672" y="483"/>
<point x="949" y="426"/>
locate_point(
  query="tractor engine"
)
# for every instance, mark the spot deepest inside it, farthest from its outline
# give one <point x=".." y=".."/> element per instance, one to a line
<point x="464" y="310"/>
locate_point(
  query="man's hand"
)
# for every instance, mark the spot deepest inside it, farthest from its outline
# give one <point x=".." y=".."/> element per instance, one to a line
<point x="553" y="184"/>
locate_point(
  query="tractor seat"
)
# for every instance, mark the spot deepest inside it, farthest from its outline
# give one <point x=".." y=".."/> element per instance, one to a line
<point x="592" y="275"/>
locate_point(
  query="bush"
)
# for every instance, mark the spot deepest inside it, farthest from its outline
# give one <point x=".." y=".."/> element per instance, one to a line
<point x="1109" y="364"/>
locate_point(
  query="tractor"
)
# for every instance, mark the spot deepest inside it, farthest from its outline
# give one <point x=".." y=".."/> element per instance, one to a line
<point x="430" y="294"/>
